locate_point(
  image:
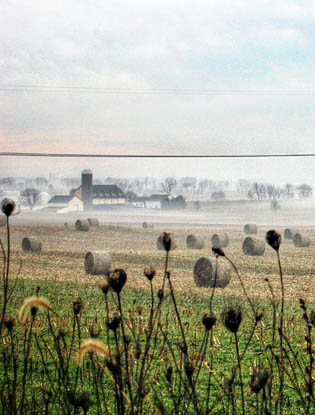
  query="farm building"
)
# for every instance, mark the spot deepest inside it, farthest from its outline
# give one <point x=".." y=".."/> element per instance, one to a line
<point x="89" y="197"/>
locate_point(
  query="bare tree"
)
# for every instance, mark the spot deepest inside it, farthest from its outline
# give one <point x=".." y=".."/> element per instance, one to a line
<point x="168" y="185"/>
<point x="30" y="196"/>
<point x="304" y="191"/>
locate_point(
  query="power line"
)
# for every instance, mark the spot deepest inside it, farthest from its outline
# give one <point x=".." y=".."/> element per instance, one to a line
<point x="152" y="156"/>
<point x="147" y="91"/>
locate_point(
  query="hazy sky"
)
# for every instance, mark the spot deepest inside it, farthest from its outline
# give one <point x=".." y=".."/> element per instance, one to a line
<point x="213" y="45"/>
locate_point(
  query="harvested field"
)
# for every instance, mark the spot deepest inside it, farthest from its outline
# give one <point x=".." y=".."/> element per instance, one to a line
<point x="132" y="248"/>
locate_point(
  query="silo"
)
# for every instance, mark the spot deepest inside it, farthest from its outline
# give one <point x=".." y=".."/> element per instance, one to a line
<point x="87" y="189"/>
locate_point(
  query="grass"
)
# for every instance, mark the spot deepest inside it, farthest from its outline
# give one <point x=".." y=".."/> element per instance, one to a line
<point x="212" y="373"/>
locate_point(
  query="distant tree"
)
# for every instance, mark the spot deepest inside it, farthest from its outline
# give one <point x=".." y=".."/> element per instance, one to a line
<point x="51" y="190"/>
<point x="197" y="205"/>
<point x="30" y="197"/>
<point x="274" y="205"/>
<point x="41" y="182"/>
<point x="130" y="195"/>
<point x="168" y="185"/>
<point x="218" y="196"/>
<point x="289" y="191"/>
<point x="304" y="191"/>
<point x="270" y="190"/>
<point x="243" y="186"/>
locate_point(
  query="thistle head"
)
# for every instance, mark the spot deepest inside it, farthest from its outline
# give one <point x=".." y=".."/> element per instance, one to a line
<point x="258" y="378"/>
<point x="104" y="286"/>
<point x="273" y="238"/>
<point x="117" y="279"/>
<point x="113" y="323"/>
<point x="149" y="272"/>
<point x="167" y="241"/>
<point x="208" y="321"/>
<point x="232" y="318"/>
<point x="77" y="306"/>
<point x="7" y="206"/>
<point x="218" y="251"/>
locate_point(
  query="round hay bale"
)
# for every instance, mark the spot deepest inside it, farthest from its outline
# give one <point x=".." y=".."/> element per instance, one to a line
<point x="205" y="274"/>
<point x="250" y="229"/>
<point x="147" y="225"/>
<point x="3" y="220"/>
<point x="253" y="246"/>
<point x="301" y="241"/>
<point x="66" y="224"/>
<point x="220" y="240"/>
<point x="82" y="225"/>
<point x="93" y="222"/>
<point x="290" y="233"/>
<point x="159" y="243"/>
<point x="194" y="242"/>
<point x="97" y="263"/>
<point x="31" y="245"/>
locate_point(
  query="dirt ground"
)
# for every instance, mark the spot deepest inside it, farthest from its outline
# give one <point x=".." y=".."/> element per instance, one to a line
<point x="133" y="248"/>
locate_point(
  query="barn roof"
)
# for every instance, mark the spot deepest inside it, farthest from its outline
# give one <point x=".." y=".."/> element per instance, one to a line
<point x="107" y="191"/>
<point x="60" y="199"/>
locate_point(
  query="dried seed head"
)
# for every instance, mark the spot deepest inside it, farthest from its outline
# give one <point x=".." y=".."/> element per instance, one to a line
<point x="7" y="206"/>
<point x="149" y="272"/>
<point x="117" y="279"/>
<point x="218" y="251"/>
<point x="160" y="294"/>
<point x="34" y="310"/>
<point x="167" y="241"/>
<point x="113" y="323"/>
<point x="232" y="318"/>
<point x="112" y="366"/>
<point x="274" y="239"/>
<point x="9" y="324"/>
<point x="91" y="345"/>
<point x="259" y="316"/>
<point x="208" y="321"/>
<point x="77" y="306"/>
<point x="94" y="332"/>
<point x="312" y="318"/>
<point x="84" y="401"/>
<point x="258" y="378"/>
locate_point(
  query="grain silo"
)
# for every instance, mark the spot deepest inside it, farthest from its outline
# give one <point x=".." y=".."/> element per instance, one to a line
<point x="87" y="189"/>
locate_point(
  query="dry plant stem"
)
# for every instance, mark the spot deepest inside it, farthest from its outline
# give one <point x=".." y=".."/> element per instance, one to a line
<point x="215" y="283"/>
<point x="281" y="374"/>
<point x="240" y="371"/>
<point x="243" y="286"/>
<point x="5" y="276"/>
<point x="126" y="355"/>
<point x="25" y="368"/>
<point x="165" y="271"/>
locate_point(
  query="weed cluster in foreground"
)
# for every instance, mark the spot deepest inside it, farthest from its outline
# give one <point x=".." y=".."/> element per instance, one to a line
<point x="113" y="351"/>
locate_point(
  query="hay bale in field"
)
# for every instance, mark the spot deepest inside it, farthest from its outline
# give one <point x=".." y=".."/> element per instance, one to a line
<point x="253" y="246"/>
<point x="301" y="241"/>
<point x="220" y="240"/>
<point x="66" y="224"/>
<point x="290" y="233"/>
<point x="97" y="263"/>
<point x="194" y="242"/>
<point x="159" y="243"/>
<point x="82" y="225"/>
<point x="250" y="229"/>
<point x="208" y="274"/>
<point x="93" y="222"/>
<point x="3" y="220"/>
<point x="147" y="225"/>
<point x="31" y="244"/>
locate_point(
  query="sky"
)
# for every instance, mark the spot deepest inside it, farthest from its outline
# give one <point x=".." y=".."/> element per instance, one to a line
<point x="208" y="77"/>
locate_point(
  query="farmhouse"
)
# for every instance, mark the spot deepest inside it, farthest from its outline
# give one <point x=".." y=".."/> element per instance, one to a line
<point x="88" y="196"/>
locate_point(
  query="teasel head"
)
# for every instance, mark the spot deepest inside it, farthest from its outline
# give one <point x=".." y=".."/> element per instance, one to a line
<point x="232" y="318"/>
<point x="94" y="332"/>
<point x="312" y="318"/>
<point x="77" y="306"/>
<point x="33" y="304"/>
<point x="273" y="238"/>
<point x="149" y="272"/>
<point x="167" y="241"/>
<point x="208" y="321"/>
<point x="117" y="279"/>
<point x="113" y="323"/>
<point x="169" y="373"/>
<point x="7" y="206"/>
<point x="259" y="378"/>
<point x="112" y="366"/>
<point x="189" y="369"/>
<point x="218" y="251"/>
<point x="84" y="401"/>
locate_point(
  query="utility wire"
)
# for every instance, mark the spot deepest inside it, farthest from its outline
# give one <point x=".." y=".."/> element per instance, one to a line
<point x="147" y="91"/>
<point x="154" y="156"/>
